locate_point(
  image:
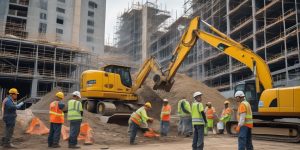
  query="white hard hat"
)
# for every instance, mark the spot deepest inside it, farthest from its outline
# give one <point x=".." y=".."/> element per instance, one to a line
<point x="165" y="100"/>
<point x="239" y="94"/>
<point x="76" y="93"/>
<point x="197" y="94"/>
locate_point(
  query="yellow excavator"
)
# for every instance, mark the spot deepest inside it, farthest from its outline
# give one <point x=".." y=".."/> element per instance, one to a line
<point x="110" y="90"/>
<point x="272" y="107"/>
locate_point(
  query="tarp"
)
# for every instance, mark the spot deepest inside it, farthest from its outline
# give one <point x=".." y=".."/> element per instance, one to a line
<point x="37" y="127"/>
<point x="86" y="133"/>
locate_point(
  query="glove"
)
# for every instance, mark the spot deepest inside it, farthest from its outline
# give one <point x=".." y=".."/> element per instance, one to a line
<point x="20" y="105"/>
<point x="237" y="129"/>
<point x="150" y="120"/>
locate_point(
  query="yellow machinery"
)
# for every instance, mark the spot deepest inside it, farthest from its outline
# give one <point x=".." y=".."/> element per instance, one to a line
<point x="110" y="90"/>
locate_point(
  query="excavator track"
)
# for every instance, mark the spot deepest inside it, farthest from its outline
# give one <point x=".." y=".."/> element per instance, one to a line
<point x="275" y="129"/>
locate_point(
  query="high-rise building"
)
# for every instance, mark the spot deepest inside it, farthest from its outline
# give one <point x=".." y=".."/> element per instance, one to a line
<point x="79" y="23"/>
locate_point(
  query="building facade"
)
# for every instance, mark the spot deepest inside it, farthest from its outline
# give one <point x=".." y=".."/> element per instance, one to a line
<point x="78" y="23"/>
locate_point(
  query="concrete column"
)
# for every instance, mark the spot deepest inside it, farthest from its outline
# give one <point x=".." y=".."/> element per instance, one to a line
<point x="265" y="33"/>
<point x="297" y="21"/>
<point x="254" y="25"/>
<point x="228" y="34"/>
<point x="54" y="70"/>
<point x="145" y="37"/>
<point x="18" y="58"/>
<point x="34" y="85"/>
<point x="285" y="46"/>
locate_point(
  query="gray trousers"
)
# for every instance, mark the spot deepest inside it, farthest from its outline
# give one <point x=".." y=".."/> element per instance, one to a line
<point x="8" y="133"/>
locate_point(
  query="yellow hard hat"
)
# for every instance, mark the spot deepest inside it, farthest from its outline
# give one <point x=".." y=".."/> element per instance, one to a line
<point x="13" y="91"/>
<point x="226" y="102"/>
<point x="148" y="104"/>
<point x="60" y="95"/>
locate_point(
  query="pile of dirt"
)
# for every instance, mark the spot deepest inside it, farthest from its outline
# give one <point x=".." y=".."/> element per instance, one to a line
<point x="183" y="88"/>
<point x="44" y="103"/>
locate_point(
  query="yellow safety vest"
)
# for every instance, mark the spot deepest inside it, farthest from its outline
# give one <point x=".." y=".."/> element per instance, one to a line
<point x="197" y="118"/>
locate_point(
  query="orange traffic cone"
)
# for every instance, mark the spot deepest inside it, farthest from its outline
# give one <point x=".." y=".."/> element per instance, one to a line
<point x="37" y="127"/>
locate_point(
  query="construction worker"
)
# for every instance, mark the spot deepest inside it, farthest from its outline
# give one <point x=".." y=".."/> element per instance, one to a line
<point x="245" y="125"/>
<point x="185" y="120"/>
<point x="199" y="121"/>
<point x="139" y="119"/>
<point x="56" y="120"/>
<point x="226" y="113"/>
<point x="210" y="113"/>
<point x="165" y="118"/>
<point x="75" y="113"/>
<point x="9" y="109"/>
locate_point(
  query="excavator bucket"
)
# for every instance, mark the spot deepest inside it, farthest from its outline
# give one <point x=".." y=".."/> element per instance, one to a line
<point x="162" y="84"/>
<point x="120" y="119"/>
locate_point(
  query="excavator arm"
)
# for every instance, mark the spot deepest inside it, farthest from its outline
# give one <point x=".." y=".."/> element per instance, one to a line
<point x="223" y="43"/>
<point x="149" y="65"/>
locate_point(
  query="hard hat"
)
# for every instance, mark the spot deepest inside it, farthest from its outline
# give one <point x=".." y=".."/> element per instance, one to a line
<point x="239" y="94"/>
<point x="208" y="103"/>
<point x="60" y="95"/>
<point x="197" y="94"/>
<point x="226" y="102"/>
<point x="77" y="93"/>
<point x="148" y="104"/>
<point x="13" y="91"/>
<point x="165" y="100"/>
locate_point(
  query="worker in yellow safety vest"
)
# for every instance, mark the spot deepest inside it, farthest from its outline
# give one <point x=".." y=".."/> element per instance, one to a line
<point x="226" y="113"/>
<point x="56" y="120"/>
<point x="185" y="120"/>
<point x="210" y="115"/>
<point x="245" y="122"/>
<point x="165" y="118"/>
<point x="199" y="122"/>
<point x="139" y="119"/>
<point x="75" y="113"/>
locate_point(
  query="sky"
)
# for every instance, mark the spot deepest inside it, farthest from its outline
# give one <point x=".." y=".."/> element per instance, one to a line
<point x="115" y="7"/>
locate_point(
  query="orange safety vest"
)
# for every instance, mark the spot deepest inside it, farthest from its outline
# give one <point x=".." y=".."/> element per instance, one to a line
<point x="248" y="118"/>
<point x="226" y="111"/>
<point x="166" y="113"/>
<point x="136" y="118"/>
<point x="210" y="113"/>
<point x="56" y="115"/>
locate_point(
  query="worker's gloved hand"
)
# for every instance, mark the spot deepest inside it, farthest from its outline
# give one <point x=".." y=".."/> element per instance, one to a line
<point x="237" y="129"/>
<point x="20" y="105"/>
<point x="150" y="120"/>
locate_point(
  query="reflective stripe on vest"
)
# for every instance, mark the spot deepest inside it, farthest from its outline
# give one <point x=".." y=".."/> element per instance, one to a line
<point x="197" y="118"/>
<point x="210" y="113"/>
<point x="182" y="112"/>
<point x="56" y="115"/>
<point x="248" y="118"/>
<point x="166" y="113"/>
<point x="136" y="118"/>
<point x="74" y="108"/>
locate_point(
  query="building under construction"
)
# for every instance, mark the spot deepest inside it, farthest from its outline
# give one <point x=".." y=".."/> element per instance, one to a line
<point x="137" y="27"/>
<point x="37" y="64"/>
<point x="270" y="28"/>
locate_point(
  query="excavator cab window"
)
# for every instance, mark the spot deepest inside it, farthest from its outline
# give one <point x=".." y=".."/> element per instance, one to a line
<point x="250" y="92"/>
<point x="124" y="73"/>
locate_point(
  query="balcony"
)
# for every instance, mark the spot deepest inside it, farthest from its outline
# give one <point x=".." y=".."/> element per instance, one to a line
<point x="18" y="13"/>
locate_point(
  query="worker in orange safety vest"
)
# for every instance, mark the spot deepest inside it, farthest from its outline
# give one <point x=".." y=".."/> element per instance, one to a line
<point x="245" y="122"/>
<point x="210" y="113"/>
<point x="56" y="120"/>
<point x="165" y="118"/>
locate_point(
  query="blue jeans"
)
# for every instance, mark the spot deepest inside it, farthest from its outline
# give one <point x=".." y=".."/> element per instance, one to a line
<point x="8" y="133"/>
<point x="74" y="131"/>
<point x="245" y="138"/>
<point x="198" y="140"/>
<point x="133" y="131"/>
<point x="164" y="128"/>
<point x="185" y="126"/>
<point x="54" y="134"/>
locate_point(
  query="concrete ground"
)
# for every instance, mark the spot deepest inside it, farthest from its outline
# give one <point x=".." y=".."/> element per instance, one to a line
<point x="211" y="143"/>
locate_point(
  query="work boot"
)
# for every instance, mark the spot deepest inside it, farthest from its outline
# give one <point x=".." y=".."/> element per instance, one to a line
<point x="133" y="143"/>
<point x="55" y="146"/>
<point x="74" y="146"/>
<point x="10" y="145"/>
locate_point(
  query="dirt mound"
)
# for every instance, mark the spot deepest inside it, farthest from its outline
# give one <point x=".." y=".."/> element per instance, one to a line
<point x="44" y="103"/>
<point x="183" y="88"/>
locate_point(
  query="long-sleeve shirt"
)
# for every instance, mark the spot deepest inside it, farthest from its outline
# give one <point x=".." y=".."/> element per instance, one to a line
<point x="9" y="109"/>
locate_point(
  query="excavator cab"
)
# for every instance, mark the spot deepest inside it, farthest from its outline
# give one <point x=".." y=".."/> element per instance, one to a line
<point x="123" y="71"/>
<point x="248" y="87"/>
